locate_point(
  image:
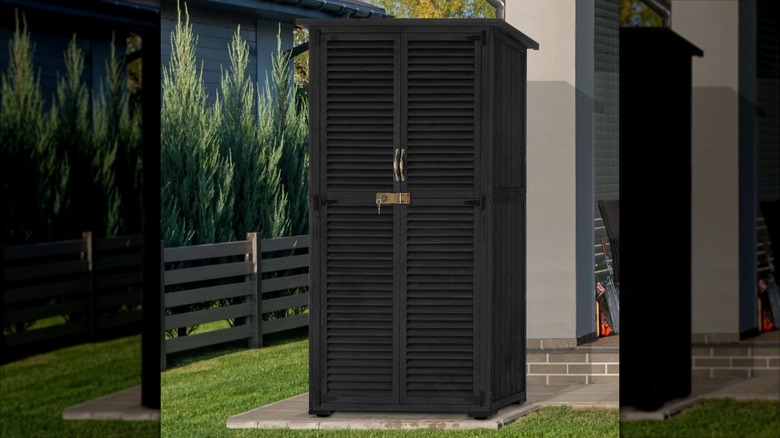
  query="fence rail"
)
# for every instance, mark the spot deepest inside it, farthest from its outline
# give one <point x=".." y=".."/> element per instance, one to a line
<point x="248" y="278"/>
<point x="94" y="285"/>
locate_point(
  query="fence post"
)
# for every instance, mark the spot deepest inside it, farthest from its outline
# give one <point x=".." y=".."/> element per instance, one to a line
<point x="163" y="359"/>
<point x="89" y="253"/>
<point x="2" y="299"/>
<point x="257" y="295"/>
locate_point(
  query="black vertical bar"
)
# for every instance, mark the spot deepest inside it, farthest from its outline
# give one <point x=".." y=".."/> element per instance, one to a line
<point x="150" y="225"/>
<point x="315" y="356"/>
<point x="400" y="115"/>
<point x="256" y="340"/>
<point x="163" y="357"/>
<point x="89" y="254"/>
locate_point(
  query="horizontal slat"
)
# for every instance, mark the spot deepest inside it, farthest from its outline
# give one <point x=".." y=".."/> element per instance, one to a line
<point x="73" y="267"/>
<point x="282" y="324"/>
<point x="188" y="275"/>
<point x="43" y="291"/>
<point x="284" y="283"/>
<point x="208" y="251"/>
<point x="22" y="252"/>
<point x="280" y="244"/>
<point x="283" y="263"/>
<point x="118" y="319"/>
<point x="118" y="299"/>
<point x="200" y="295"/>
<point x="209" y="338"/>
<point x="280" y="303"/>
<point x="43" y="334"/>
<point x="40" y="312"/>
<point x="117" y="261"/>
<point x="117" y="280"/>
<point x="111" y="243"/>
<point x="208" y="315"/>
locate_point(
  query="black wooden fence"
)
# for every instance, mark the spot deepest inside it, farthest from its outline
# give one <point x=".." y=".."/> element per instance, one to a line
<point x="75" y="291"/>
<point x="229" y="281"/>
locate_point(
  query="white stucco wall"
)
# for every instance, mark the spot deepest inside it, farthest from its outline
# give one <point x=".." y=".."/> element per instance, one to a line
<point x="713" y="27"/>
<point x="551" y="266"/>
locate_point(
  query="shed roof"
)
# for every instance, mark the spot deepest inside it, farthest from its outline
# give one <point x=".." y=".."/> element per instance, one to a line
<point x="287" y="11"/>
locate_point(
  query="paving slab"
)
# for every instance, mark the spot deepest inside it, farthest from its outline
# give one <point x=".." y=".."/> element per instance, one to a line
<point x="122" y="405"/>
<point x="292" y="413"/>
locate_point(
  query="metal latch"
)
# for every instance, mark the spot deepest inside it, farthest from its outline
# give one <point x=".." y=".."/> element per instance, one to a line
<point x="393" y="198"/>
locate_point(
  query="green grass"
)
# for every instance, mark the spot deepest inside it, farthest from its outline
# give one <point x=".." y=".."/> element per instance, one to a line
<point x="34" y="391"/>
<point x="713" y="418"/>
<point x="200" y="392"/>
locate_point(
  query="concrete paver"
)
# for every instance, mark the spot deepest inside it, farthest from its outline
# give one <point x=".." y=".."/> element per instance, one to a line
<point x="293" y="412"/>
<point x="122" y="405"/>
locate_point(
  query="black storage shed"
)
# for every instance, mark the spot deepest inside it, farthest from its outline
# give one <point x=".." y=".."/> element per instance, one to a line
<point x="655" y="216"/>
<point x="417" y="215"/>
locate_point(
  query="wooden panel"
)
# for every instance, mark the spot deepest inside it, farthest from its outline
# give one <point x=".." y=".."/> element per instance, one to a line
<point x="208" y="315"/>
<point x="206" y="251"/>
<point x="40" y="312"/>
<point x="46" y="333"/>
<point x="508" y="310"/>
<point x="120" y="319"/>
<point x="440" y="124"/>
<point x="117" y="261"/>
<point x="22" y="252"/>
<point x="359" y="115"/>
<point x="280" y="244"/>
<point x="280" y="303"/>
<point x="37" y="272"/>
<point x="284" y="263"/>
<point x="438" y="304"/>
<point x="117" y="299"/>
<point x="114" y="280"/>
<point x="224" y="270"/>
<point x="48" y="290"/>
<point x="358" y="304"/>
<point x="120" y="242"/>
<point x="209" y="338"/>
<point x="200" y="295"/>
<point x="284" y="283"/>
<point x="509" y="125"/>
<point x="282" y="324"/>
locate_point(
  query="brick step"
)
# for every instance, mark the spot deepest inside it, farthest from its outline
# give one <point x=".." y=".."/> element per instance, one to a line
<point x="743" y="359"/>
<point x="573" y="365"/>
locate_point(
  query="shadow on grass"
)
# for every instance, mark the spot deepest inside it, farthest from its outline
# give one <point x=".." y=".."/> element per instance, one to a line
<point x="187" y="357"/>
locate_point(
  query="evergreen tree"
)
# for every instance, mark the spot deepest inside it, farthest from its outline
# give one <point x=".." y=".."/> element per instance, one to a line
<point x="33" y="179"/>
<point x="259" y="198"/>
<point x="283" y="119"/>
<point x="117" y="140"/>
<point x="73" y="140"/>
<point x="196" y="178"/>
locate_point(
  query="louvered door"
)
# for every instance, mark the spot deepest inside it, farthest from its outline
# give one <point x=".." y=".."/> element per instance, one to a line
<point x="397" y="318"/>
<point x="438" y="229"/>
<point x="358" y="129"/>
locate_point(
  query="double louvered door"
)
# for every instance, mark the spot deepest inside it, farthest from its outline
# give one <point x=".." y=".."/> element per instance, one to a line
<point x="398" y="291"/>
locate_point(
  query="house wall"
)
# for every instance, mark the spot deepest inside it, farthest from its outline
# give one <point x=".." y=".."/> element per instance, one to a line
<point x="606" y="120"/>
<point x="552" y="170"/>
<point x="714" y="27"/>
<point x="215" y="29"/>
<point x="50" y="43"/>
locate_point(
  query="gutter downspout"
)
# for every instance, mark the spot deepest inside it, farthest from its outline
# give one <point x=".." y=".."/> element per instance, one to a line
<point x="500" y="7"/>
<point x="662" y="8"/>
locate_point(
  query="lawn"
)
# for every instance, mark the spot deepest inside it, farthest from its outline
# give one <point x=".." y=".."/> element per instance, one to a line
<point x="34" y="391"/>
<point x="199" y="393"/>
<point x="713" y="418"/>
